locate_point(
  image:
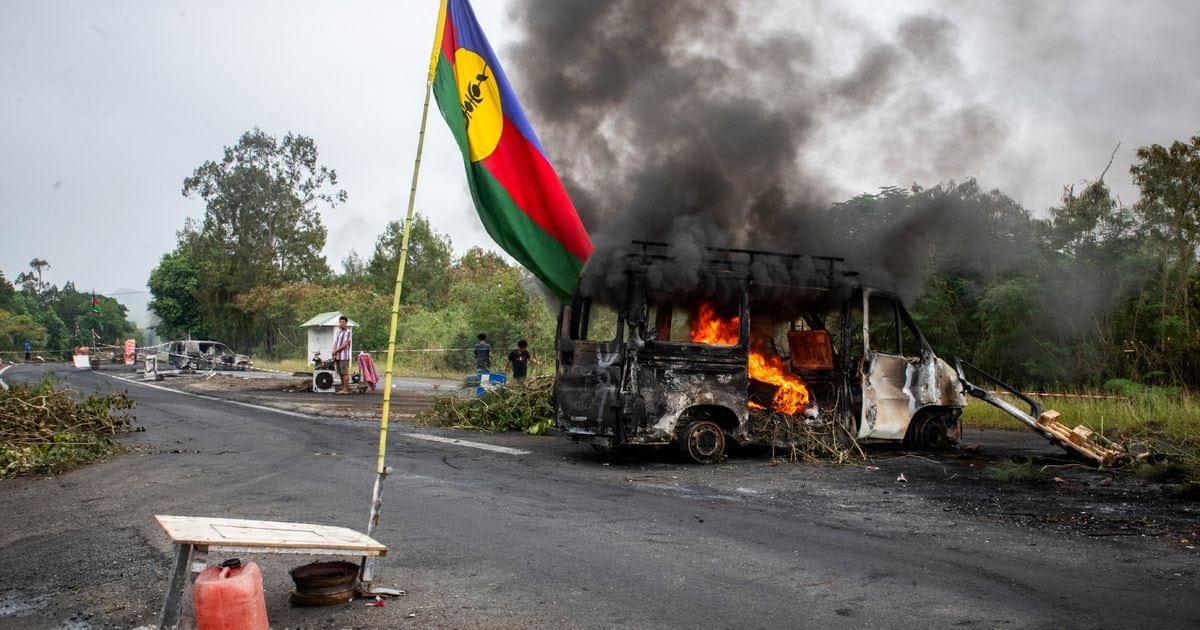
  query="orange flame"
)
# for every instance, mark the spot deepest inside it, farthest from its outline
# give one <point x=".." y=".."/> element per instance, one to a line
<point x="710" y="329"/>
<point x="791" y="397"/>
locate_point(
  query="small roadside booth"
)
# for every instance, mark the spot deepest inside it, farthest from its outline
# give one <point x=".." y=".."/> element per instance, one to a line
<point x="321" y="331"/>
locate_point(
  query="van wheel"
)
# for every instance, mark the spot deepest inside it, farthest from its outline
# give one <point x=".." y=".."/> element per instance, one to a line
<point x="703" y="441"/>
<point x="928" y="433"/>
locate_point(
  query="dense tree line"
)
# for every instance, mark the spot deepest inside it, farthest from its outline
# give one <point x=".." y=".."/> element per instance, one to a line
<point x="251" y="270"/>
<point x="1095" y="293"/>
<point x="1091" y="292"/>
<point x="56" y="319"/>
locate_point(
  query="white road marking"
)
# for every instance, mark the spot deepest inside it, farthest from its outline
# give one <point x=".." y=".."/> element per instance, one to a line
<point x="4" y="369"/>
<point x="467" y="443"/>
<point x="420" y="436"/>
<point x="217" y="399"/>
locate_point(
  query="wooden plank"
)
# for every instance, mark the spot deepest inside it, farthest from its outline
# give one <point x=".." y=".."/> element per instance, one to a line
<point x="300" y="551"/>
<point x="232" y="532"/>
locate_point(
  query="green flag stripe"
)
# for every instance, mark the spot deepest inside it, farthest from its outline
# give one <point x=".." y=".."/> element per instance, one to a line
<point x="513" y="230"/>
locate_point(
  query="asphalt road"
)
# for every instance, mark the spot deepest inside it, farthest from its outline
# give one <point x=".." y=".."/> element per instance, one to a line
<point x="557" y="538"/>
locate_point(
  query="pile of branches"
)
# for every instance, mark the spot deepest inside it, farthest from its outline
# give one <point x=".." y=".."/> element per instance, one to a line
<point x="797" y="440"/>
<point x="513" y="408"/>
<point x="46" y="429"/>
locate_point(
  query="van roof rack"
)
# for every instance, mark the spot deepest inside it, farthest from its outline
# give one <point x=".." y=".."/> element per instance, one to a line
<point x="727" y="262"/>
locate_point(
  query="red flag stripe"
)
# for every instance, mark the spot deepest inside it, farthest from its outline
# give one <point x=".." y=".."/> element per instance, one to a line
<point x="533" y="184"/>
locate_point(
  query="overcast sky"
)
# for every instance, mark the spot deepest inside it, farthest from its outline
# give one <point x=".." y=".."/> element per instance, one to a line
<point x="105" y="106"/>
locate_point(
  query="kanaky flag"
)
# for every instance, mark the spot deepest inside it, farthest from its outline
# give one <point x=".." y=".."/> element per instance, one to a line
<point x="520" y="199"/>
<point x="95" y="305"/>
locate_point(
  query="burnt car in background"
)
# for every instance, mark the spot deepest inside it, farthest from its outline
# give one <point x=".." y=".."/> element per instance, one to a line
<point x="192" y="354"/>
<point x="758" y="336"/>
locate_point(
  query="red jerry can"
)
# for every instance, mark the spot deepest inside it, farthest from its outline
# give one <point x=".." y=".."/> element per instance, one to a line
<point x="230" y="597"/>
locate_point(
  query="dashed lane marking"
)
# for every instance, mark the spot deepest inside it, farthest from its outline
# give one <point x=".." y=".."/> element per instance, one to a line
<point x="467" y="443"/>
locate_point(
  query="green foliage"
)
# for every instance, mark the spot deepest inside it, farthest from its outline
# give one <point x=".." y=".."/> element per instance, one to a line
<point x="1014" y="323"/>
<point x="56" y="334"/>
<point x="519" y="408"/>
<point x="75" y="308"/>
<point x="1168" y="215"/>
<point x="275" y="313"/>
<point x="485" y="294"/>
<point x="55" y="319"/>
<point x="31" y="281"/>
<point x="947" y="313"/>
<point x="1161" y="470"/>
<point x="1123" y="387"/>
<point x="426" y="273"/>
<point x="1012" y="471"/>
<point x="261" y="225"/>
<point x="6" y="292"/>
<point x="173" y="285"/>
<point x="63" y="452"/>
<point x="1164" y="421"/>
<point x="16" y="329"/>
<point x="501" y="301"/>
<point x="44" y="429"/>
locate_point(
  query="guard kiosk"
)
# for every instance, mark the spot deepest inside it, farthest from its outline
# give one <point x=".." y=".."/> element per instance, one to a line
<point x="321" y="331"/>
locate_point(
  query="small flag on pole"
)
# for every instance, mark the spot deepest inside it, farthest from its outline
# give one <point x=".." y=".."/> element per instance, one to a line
<point x="520" y="199"/>
<point x="96" y="305"/>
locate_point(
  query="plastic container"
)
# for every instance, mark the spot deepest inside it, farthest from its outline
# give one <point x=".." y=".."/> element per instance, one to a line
<point x="230" y="597"/>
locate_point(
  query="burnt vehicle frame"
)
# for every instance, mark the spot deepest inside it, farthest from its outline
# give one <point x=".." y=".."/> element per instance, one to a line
<point x="198" y="354"/>
<point x="625" y="378"/>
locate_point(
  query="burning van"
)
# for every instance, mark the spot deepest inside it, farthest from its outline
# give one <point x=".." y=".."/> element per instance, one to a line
<point x="755" y="341"/>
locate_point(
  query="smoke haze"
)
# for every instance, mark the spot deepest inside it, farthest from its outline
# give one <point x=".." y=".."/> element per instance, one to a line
<point x="708" y="123"/>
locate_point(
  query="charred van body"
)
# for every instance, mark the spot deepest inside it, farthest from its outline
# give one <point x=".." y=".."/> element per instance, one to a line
<point x="754" y="337"/>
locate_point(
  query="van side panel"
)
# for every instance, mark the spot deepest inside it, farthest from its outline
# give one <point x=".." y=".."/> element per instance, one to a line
<point x="586" y="387"/>
<point x="673" y="378"/>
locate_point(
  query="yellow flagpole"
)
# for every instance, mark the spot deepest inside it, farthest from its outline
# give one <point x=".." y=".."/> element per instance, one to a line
<point x="367" y="573"/>
<point x="381" y="469"/>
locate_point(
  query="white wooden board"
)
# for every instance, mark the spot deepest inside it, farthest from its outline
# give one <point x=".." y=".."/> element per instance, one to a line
<point x="233" y="532"/>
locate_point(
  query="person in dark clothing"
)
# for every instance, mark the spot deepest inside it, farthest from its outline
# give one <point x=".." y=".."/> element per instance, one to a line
<point x="520" y="360"/>
<point x="483" y="354"/>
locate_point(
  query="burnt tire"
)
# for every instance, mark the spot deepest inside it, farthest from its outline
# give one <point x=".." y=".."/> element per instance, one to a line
<point x="929" y="433"/>
<point x="703" y="441"/>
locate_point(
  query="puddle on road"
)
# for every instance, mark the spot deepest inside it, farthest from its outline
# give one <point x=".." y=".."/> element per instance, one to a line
<point x="19" y="604"/>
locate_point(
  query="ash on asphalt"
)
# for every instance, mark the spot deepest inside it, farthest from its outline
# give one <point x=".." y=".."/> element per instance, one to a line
<point x="1071" y="496"/>
<point x="1109" y="518"/>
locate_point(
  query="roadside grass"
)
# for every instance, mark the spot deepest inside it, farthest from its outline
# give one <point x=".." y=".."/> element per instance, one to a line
<point x="48" y="429"/>
<point x="1167" y="423"/>
<point x="283" y="365"/>
<point x="1012" y="471"/>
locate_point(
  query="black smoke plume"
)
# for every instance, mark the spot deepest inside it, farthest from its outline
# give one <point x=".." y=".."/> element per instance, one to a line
<point x="711" y="123"/>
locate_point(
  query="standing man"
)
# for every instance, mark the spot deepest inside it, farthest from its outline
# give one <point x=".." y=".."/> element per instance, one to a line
<point x="520" y="360"/>
<point x="341" y="353"/>
<point x="483" y="354"/>
<point x="28" y="351"/>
